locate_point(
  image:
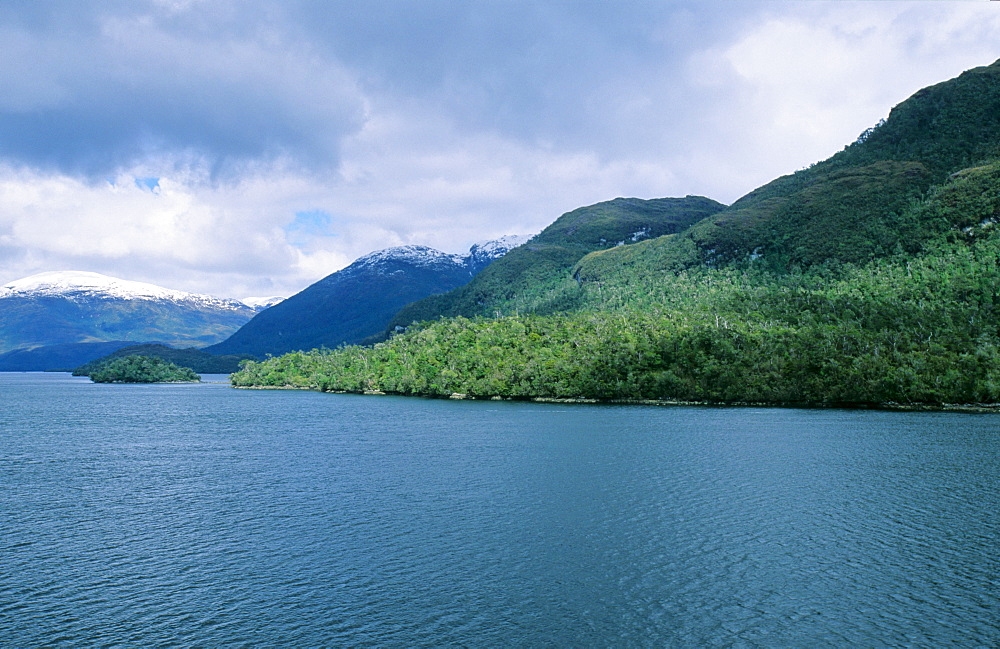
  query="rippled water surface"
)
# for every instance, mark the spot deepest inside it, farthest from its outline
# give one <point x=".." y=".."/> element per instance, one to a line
<point x="199" y="515"/>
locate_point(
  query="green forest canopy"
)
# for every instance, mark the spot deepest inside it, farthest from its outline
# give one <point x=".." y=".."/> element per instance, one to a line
<point x="140" y="369"/>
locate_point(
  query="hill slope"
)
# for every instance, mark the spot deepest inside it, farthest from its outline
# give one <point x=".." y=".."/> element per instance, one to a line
<point x="57" y="357"/>
<point x="196" y="360"/>
<point x="535" y="276"/>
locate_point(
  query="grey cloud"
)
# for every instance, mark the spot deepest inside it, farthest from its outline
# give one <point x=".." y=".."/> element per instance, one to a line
<point x="96" y="86"/>
<point x="125" y="86"/>
<point x="538" y="71"/>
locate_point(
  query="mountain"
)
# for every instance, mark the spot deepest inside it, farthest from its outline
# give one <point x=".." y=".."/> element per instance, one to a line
<point x="358" y="301"/>
<point x="484" y="253"/>
<point x="535" y="277"/>
<point x="868" y="279"/>
<point x="59" y="308"/>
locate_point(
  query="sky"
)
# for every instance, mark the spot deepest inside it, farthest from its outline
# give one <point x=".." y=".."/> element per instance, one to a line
<point x="251" y="147"/>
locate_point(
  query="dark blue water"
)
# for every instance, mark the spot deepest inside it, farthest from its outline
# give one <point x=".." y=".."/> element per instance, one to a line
<point x="199" y="515"/>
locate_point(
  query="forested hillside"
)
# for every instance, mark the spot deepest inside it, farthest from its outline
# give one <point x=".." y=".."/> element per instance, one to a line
<point x="870" y="278"/>
<point x="923" y="332"/>
<point x="535" y="277"/>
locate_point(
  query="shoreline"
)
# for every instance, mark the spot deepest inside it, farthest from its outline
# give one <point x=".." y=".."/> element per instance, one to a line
<point x="970" y="408"/>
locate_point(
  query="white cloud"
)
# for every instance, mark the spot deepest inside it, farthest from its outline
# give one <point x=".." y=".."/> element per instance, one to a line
<point x="405" y="179"/>
<point x="801" y="84"/>
<point x="418" y="176"/>
<point x="121" y="228"/>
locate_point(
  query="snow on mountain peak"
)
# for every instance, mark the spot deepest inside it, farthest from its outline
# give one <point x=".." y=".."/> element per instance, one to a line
<point x="80" y="284"/>
<point x="479" y="255"/>
<point x="77" y="283"/>
<point x="261" y="303"/>
<point x="499" y="247"/>
<point x="59" y="282"/>
<point x="416" y="255"/>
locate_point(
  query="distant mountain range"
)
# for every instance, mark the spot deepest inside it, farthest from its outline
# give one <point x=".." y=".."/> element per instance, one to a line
<point x="61" y="320"/>
<point x="55" y="319"/>
<point x="59" y="357"/>
<point x="356" y="303"/>
<point x="199" y="361"/>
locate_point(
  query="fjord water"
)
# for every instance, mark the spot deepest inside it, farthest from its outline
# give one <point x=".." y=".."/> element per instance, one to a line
<point x="199" y="515"/>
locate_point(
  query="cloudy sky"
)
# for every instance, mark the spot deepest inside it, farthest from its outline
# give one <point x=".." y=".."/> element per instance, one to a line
<point x="251" y="147"/>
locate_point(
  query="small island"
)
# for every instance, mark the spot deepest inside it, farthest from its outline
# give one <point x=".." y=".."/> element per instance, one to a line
<point x="138" y="369"/>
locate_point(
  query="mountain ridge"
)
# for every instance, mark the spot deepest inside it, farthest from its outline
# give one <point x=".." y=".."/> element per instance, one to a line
<point x="67" y="307"/>
<point x="855" y="206"/>
<point x="357" y="302"/>
<point x="74" y="283"/>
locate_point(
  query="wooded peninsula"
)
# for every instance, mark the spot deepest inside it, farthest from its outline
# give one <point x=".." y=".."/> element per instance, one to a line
<point x="869" y="278"/>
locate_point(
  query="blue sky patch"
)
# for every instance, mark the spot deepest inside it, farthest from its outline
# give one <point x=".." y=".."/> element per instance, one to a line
<point x="149" y="183"/>
<point x="308" y="225"/>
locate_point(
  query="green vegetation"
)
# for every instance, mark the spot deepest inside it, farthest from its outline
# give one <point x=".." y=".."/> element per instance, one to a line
<point x="139" y="369"/>
<point x="196" y="360"/>
<point x="917" y="332"/>
<point x="535" y="277"/>
<point x="870" y="278"/>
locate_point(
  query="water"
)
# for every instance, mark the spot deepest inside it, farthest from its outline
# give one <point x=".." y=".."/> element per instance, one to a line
<point x="199" y="515"/>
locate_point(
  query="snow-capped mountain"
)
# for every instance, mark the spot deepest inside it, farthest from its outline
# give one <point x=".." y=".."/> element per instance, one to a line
<point x="81" y="307"/>
<point x="357" y="302"/>
<point x="81" y="285"/>
<point x="417" y="256"/>
<point x="479" y="255"/>
<point x="484" y="252"/>
<point x="261" y="303"/>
